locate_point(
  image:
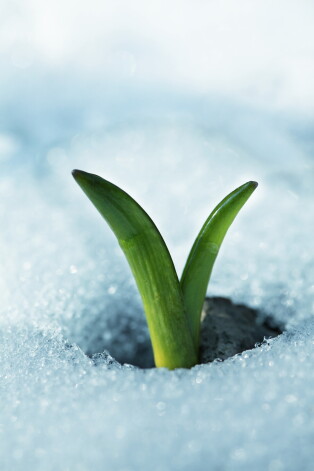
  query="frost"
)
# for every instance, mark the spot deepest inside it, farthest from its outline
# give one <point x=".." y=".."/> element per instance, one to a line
<point x="67" y="292"/>
<point x="76" y="389"/>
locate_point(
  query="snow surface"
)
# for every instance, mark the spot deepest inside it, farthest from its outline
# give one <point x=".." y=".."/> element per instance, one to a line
<point x="66" y="290"/>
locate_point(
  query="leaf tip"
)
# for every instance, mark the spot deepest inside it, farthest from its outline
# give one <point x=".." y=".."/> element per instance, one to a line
<point x="77" y="173"/>
<point x="250" y="186"/>
<point x="83" y="178"/>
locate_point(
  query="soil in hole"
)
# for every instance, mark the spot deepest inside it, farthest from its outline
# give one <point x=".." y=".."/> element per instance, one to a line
<point x="227" y="329"/>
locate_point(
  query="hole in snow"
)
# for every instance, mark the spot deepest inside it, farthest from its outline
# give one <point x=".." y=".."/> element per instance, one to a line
<point x="227" y="329"/>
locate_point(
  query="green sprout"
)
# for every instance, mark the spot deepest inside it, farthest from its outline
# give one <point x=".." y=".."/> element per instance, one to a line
<point x="172" y="307"/>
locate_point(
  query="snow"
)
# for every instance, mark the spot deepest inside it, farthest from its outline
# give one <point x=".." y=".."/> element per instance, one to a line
<point x="178" y="142"/>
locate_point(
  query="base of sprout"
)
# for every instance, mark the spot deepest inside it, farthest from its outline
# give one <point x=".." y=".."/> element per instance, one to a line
<point x="227" y="330"/>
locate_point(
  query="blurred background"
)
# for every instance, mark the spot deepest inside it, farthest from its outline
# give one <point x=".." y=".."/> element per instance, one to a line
<point x="70" y="67"/>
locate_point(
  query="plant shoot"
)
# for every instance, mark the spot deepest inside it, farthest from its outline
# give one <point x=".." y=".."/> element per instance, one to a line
<point x="172" y="307"/>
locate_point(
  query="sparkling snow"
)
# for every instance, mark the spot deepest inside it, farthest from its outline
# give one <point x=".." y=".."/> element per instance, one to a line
<point x="71" y="321"/>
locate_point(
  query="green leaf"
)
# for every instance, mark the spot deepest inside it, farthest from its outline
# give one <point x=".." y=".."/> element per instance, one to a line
<point x="152" y="268"/>
<point x="198" y="268"/>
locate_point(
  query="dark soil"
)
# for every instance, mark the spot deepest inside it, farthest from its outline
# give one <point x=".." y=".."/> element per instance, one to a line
<point x="228" y="329"/>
